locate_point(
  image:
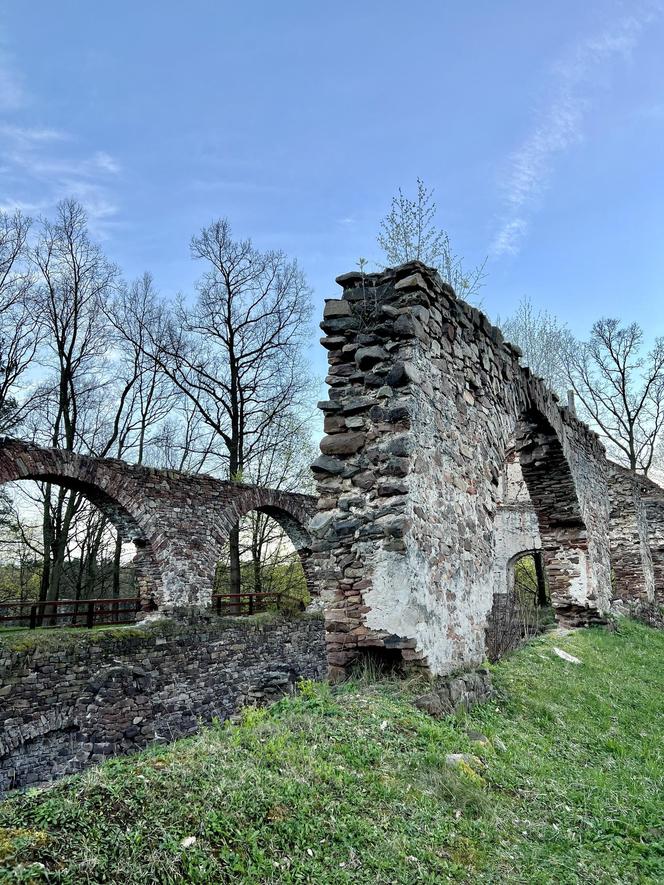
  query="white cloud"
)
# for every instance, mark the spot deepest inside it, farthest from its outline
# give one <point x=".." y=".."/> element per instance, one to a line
<point x="43" y="166"/>
<point x="12" y="94"/>
<point x="106" y="163"/>
<point x="559" y="125"/>
<point x="27" y="137"/>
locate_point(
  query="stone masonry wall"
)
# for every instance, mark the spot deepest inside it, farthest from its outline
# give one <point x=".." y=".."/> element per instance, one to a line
<point x="179" y="522"/>
<point x="424" y="397"/>
<point x="515" y="532"/>
<point x="655" y="513"/>
<point x="68" y="701"/>
<point x="651" y="495"/>
<point x="631" y="557"/>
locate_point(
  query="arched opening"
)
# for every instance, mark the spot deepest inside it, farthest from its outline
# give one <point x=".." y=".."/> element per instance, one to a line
<point x="529" y="580"/>
<point x="540" y="540"/>
<point x="524" y="610"/>
<point x="552" y="491"/>
<point x="70" y="556"/>
<point x="275" y="568"/>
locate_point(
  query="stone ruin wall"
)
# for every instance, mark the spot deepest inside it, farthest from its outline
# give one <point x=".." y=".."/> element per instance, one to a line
<point x="67" y="702"/>
<point x="655" y="515"/>
<point x="179" y="522"/>
<point x="631" y="558"/>
<point x="648" y="515"/>
<point x="424" y="396"/>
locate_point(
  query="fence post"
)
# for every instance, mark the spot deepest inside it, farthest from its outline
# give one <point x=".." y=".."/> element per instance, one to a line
<point x="91" y="614"/>
<point x="33" y="617"/>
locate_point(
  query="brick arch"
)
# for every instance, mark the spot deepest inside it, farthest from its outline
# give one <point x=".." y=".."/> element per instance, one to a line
<point x="290" y="510"/>
<point x="177" y="520"/>
<point x="22" y="461"/>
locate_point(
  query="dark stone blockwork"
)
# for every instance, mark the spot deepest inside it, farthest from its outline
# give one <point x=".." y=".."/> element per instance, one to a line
<point x="69" y="701"/>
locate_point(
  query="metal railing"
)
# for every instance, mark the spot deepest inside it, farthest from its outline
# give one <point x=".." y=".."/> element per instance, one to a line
<point x="70" y="612"/>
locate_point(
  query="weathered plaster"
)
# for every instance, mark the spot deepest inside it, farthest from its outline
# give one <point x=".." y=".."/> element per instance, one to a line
<point x="425" y="401"/>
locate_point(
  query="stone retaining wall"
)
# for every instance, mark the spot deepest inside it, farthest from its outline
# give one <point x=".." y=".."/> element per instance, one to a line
<point x="70" y="700"/>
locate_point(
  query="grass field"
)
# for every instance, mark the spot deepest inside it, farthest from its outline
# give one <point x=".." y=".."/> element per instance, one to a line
<point x="351" y="785"/>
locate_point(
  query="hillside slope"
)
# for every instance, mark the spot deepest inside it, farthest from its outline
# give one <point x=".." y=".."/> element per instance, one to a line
<point x="352" y="786"/>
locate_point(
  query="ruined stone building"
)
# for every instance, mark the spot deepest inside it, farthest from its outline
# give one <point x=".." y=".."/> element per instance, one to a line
<point x="431" y="424"/>
<point x="444" y="461"/>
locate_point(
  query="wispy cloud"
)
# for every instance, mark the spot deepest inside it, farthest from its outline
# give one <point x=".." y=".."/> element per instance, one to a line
<point x="42" y="166"/>
<point x="558" y="125"/>
<point x="12" y="93"/>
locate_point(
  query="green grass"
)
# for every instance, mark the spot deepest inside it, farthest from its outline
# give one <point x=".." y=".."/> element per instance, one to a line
<point x="350" y="786"/>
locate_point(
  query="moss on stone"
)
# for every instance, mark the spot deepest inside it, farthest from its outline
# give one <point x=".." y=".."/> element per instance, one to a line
<point x="22" y="640"/>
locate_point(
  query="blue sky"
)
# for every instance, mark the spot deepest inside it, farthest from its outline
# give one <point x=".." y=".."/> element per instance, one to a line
<point x="540" y="126"/>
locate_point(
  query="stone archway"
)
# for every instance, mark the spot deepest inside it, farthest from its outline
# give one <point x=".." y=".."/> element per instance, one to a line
<point x="291" y="511"/>
<point x="425" y="396"/>
<point x="564" y="537"/>
<point x="177" y="520"/>
<point x="20" y="461"/>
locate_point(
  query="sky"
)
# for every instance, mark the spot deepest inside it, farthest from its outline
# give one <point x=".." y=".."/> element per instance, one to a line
<point x="540" y="127"/>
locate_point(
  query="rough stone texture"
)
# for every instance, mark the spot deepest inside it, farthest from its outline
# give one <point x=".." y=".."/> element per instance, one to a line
<point x="647" y="534"/>
<point x="179" y="522"/>
<point x="636" y="534"/>
<point x="460" y="692"/>
<point x="405" y="534"/>
<point x="631" y="558"/>
<point x="655" y="514"/>
<point x="66" y="706"/>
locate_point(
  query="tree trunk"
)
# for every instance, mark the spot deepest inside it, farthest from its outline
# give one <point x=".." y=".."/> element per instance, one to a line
<point x="47" y="537"/>
<point x="235" y="579"/>
<point x="542" y="598"/>
<point x="59" y="550"/>
<point x="116" y="566"/>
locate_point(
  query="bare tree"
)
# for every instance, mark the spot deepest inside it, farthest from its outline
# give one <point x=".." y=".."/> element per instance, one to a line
<point x="236" y="354"/>
<point x="18" y="320"/>
<point x="75" y="280"/>
<point x="543" y="340"/>
<point x="621" y="389"/>
<point x="409" y="233"/>
<point x="285" y="465"/>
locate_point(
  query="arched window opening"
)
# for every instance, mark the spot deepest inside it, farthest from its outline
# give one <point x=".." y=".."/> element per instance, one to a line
<point x="529" y="581"/>
<point x="522" y="612"/>
<point x="64" y="562"/>
<point x="272" y="574"/>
